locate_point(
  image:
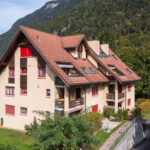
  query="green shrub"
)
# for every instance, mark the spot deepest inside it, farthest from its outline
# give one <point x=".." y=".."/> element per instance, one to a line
<point x="94" y="119"/>
<point x="7" y="147"/>
<point x="145" y="107"/>
<point x="136" y="112"/>
<point x="62" y="132"/>
<point x="109" y="112"/>
<point x="141" y="100"/>
<point x="122" y="114"/>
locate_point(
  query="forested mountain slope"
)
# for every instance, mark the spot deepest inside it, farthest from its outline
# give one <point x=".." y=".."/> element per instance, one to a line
<point x="124" y="24"/>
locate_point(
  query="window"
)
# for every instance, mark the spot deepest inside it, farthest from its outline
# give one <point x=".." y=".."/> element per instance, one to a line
<point x="80" y="50"/>
<point x="23" y="110"/>
<point x="93" y="70"/>
<point x="95" y="108"/>
<point x="11" y="72"/>
<point x="129" y="71"/>
<point x="129" y="102"/>
<point x="23" y="91"/>
<point x="26" y="51"/>
<point x="129" y="87"/>
<point x="111" y="66"/>
<point x="94" y="90"/>
<point x="42" y="72"/>
<point x="85" y="70"/>
<point x="9" y="109"/>
<point x="10" y="91"/>
<point x="48" y="92"/>
<point x="114" y="56"/>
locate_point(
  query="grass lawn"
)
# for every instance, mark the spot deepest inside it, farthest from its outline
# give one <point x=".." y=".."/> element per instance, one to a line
<point x="16" y="139"/>
<point x="102" y="136"/>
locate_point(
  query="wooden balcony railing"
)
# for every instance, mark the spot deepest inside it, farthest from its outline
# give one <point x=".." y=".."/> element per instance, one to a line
<point x="72" y="104"/>
<point x="59" y="104"/>
<point x="110" y="96"/>
<point x="121" y="95"/>
<point x="77" y="102"/>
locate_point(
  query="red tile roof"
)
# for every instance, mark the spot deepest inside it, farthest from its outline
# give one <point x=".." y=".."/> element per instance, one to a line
<point x="51" y="49"/>
<point x="120" y="65"/>
<point x="71" y="41"/>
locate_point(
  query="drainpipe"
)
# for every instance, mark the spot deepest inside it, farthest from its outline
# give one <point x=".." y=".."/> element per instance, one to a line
<point x="85" y="100"/>
<point x="125" y="97"/>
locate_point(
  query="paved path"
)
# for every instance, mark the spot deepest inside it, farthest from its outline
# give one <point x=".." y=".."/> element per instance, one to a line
<point x="113" y="137"/>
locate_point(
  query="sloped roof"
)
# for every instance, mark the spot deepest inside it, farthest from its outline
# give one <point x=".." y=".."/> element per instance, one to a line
<point x="51" y="49"/>
<point x="71" y="41"/>
<point x="120" y="65"/>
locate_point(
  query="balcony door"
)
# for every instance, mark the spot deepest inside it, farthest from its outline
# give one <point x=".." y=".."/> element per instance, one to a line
<point x="78" y="93"/>
<point x="111" y="89"/>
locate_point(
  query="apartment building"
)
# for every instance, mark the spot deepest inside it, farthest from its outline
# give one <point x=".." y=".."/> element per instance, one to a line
<point x="44" y="72"/>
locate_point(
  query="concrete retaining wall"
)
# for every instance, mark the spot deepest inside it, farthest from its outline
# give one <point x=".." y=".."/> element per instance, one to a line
<point x="134" y="136"/>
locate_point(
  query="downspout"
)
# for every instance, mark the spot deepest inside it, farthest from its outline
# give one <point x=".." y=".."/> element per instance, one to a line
<point x="85" y="100"/>
<point x="125" y="98"/>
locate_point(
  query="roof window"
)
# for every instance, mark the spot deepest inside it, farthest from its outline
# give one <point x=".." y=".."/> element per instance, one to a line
<point x="114" y="56"/>
<point x="85" y="70"/>
<point x="111" y="66"/>
<point x="115" y="70"/>
<point x="129" y="71"/>
<point x="93" y="70"/>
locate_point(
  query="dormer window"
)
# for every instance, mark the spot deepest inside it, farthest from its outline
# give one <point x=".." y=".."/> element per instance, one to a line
<point x="69" y="69"/>
<point x="80" y="51"/>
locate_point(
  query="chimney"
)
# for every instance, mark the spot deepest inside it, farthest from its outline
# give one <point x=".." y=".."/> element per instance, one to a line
<point x="105" y="48"/>
<point x="95" y="45"/>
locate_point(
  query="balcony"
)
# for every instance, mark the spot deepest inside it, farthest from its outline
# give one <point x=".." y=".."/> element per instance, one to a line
<point x="111" y="97"/>
<point x="73" y="105"/>
<point x="59" y="105"/>
<point x="76" y="103"/>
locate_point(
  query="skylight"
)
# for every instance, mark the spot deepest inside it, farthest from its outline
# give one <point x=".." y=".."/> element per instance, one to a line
<point x="129" y="70"/>
<point x="114" y="56"/>
<point x="111" y="66"/>
<point x="85" y="70"/>
<point x="93" y="70"/>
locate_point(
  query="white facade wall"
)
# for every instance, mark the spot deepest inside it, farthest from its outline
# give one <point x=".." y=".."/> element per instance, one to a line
<point x="34" y="100"/>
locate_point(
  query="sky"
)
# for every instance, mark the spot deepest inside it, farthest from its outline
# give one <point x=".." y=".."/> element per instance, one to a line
<point x="12" y="10"/>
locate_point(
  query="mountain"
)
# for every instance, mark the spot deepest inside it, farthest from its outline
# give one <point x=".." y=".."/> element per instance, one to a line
<point x="124" y="24"/>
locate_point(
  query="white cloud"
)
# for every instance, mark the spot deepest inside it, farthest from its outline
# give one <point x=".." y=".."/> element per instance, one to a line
<point x="11" y="10"/>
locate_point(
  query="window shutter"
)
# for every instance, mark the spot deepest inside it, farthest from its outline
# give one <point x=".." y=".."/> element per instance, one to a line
<point x="11" y="80"/>
<point x="24" y="51"/>
<point x="29" y="51"/>
<point x="23" y="81"/>
<point x="41" y="63"/>
<point x="10" y="109"/>
<point x="23" y="62"/>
